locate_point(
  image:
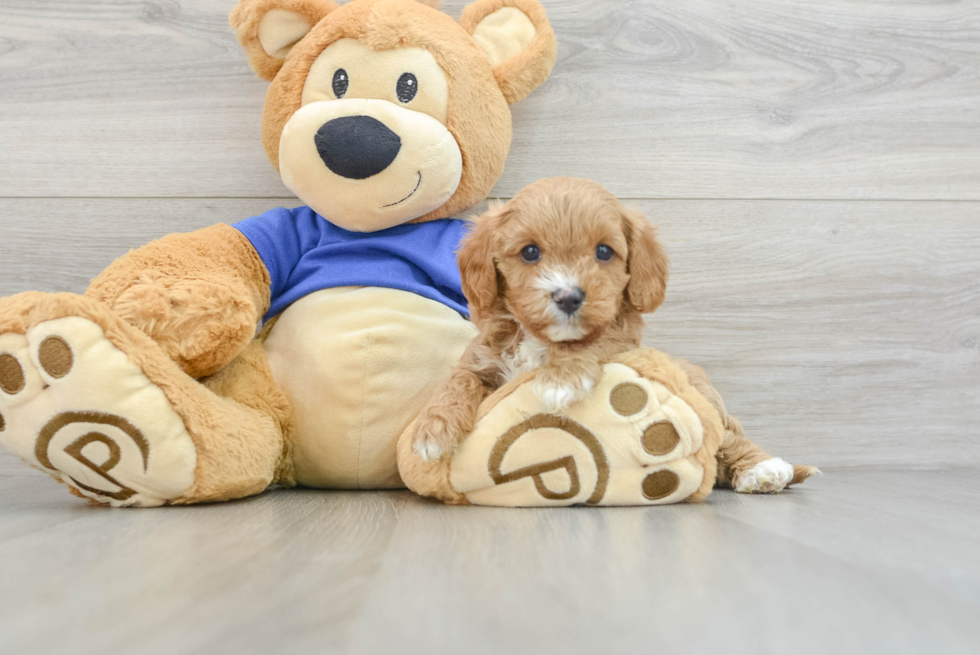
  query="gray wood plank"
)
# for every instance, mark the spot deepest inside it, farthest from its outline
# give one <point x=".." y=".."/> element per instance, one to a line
<point x="700" y="98"/>
<point x="840" y="333"/>
<point x="50" y="244"/>
<point x="865" y="561"/>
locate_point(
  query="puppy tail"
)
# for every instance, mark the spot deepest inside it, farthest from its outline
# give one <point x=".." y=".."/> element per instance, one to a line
<point x="801" y="473"/>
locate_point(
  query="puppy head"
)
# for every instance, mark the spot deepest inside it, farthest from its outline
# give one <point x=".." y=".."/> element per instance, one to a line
<point x="564" y="257"/>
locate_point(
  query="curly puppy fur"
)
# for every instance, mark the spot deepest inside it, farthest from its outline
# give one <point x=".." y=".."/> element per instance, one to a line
<point x="515" y="304"/>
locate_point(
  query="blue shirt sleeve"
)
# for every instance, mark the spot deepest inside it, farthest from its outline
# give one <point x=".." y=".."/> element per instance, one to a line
<point x="281" y="237"/>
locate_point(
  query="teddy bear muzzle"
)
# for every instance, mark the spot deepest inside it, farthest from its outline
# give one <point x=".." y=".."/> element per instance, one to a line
<point x="366" y="164"/>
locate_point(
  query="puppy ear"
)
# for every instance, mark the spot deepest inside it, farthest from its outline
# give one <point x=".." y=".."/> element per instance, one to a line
<point x="476" y="263"/>
<point x="647" y="262"/>
<point x="517" y="39"/>
<point x="268" y="29"/>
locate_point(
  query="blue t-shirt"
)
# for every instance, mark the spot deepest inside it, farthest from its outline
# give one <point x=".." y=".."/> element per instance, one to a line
<point x="304" y="253"/>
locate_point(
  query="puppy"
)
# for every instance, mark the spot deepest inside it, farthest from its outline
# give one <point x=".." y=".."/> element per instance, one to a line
<point x="557" y="280"/>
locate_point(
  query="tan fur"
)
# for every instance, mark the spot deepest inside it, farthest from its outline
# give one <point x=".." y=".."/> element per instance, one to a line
<point x="198" y="295"/>
<point x="647" y="264"/>
<point x="245" y="19"/>
<point x="248" y="381"/>
<point x="424" y="478"/>
<point x="240" y="448"/>
<point x="567" y="218"/>
<point x="520" y="75"/>
<point x="478" y="118"/>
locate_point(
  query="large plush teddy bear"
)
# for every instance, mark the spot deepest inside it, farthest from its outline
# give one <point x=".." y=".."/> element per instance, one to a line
<point x="388" y="119"/>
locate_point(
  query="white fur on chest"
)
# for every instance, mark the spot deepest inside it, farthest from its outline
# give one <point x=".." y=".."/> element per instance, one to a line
<point x="530" y="354"/>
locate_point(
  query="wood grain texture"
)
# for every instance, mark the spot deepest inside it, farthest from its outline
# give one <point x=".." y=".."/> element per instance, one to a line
<point x="862" y="561"/>
<point x="673" y="99"/>
<point x="840" y="333"/>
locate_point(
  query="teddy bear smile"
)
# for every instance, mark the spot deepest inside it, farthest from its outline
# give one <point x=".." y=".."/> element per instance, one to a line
<point x="417" y="185"/>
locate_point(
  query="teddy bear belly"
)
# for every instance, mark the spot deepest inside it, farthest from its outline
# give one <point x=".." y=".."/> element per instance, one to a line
<point x="357" y="364"/>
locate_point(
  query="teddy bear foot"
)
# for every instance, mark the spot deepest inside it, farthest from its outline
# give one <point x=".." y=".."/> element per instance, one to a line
<point x="643" y="436"/>
<point x="73" y="404"/>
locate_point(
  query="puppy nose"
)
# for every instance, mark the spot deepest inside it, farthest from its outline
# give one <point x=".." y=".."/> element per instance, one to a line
<point x="356" y="147"/>
<point x="569" y="300"/>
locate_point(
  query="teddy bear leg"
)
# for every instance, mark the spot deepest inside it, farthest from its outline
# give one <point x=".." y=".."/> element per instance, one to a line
<point x="198" y="295"/>
<point x="742" y="464"/>
<point x="643" y="436"/>
<point x="98" y="405"/>
<point x="245" y="461"/>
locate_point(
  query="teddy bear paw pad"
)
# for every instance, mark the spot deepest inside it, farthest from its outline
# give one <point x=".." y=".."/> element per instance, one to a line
<point x="74" y="405"/>
<point x="630" y="442"/>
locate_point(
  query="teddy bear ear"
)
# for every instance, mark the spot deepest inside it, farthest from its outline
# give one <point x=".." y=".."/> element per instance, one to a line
<point x="268" y="29"/>
<point x="517" y="39"/>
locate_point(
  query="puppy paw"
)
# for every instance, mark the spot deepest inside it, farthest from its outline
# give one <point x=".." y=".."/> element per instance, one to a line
<point x="767" y="477"/>
<point x="557" y="396"/>
<point x="432" y="439"/>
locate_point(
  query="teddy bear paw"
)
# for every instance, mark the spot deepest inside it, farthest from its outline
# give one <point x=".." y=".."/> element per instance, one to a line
<point x="76" y="406"/>
<point x="631" y="441"/>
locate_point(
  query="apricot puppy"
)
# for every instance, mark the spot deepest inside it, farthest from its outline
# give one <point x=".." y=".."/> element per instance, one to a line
<point x="557" y="280"/>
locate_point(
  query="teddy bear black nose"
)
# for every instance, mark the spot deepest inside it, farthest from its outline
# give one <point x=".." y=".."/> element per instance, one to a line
<point x="569" y="300"/>
<point x="356" y="147"/>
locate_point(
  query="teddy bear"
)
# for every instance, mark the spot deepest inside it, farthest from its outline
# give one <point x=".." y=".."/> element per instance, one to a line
<point x="294" y="347"/>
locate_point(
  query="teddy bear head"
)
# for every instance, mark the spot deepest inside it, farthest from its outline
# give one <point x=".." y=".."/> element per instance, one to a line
<point x="383" y="112"/>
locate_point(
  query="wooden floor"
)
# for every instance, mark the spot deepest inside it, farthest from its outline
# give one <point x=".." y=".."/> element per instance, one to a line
<point x="814" y="168"/>
<point x="861" y="561"/>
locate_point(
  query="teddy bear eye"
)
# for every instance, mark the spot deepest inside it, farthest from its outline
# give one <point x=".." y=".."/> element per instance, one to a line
<point x="407" y="87"/>
<point x="604" y="253"/>
<point x="340" y="83"/>
<point x="530" y="254"/>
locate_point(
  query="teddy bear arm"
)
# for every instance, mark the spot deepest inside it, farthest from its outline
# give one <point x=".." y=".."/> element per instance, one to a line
<point x="199" y="295"/>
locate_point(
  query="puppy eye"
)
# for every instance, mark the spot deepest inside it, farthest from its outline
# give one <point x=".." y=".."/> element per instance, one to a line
<point x="407" y="87"/>
<point x="340" y="83"/>
<point x="604" y="253"/>
<point x="530" y="254"/>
